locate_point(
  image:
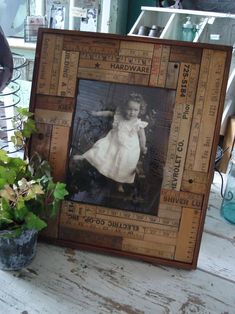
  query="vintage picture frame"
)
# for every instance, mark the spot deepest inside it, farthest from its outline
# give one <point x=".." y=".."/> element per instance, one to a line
<point x="131" y="125"/>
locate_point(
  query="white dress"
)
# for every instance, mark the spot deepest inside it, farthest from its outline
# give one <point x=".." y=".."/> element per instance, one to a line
<point x="117" y="154"/>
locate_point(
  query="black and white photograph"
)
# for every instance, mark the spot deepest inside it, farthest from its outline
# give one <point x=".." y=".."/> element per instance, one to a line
<point x="89" y="23"/>
<point x="57" y="17"/>
<point x="119" y="145"/>
<point x="32" y="24"/>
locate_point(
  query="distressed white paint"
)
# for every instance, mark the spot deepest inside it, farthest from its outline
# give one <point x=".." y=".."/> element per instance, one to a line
<point x="39" y="7"/>
<point x="63" y="280"/>
<point x="105" y="22"/>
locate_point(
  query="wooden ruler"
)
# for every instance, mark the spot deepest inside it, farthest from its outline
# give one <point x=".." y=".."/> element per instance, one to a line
<point x="49" y="67"/>
<point x="68" y="73"/>
<point x="187" y="55"/>
<point x="156" y="61"/>
<point x="46" y="64"/>
<point x="149" y="248"/>
<point x="56" y="66"/>
<point x="151" y="235"/>
<point x="187" y="235"/>
<point x="180" y="127"/>
<point x="183" y="199"/>
<point x="131" y="65"/>
<point x="172" y="75"/>
<point x="92" y="45"/>
<point x="169" y="211"/>
<point x="91" y="238"/>
<point x="133" y="49"/>
<point x="206" y="108"/>
<point x="163" y="66"/>
<point x="194" y="181"/>
<point x="160" y="62"/>
<point x="55" y="103"/>
<point x="95" y="211"/>
<point x="53" y="117"/>
<point x="113" y="76"/>
<point x="41" y="141"/>
<point x="123" y="59"/>
<point x="59" y="151"/>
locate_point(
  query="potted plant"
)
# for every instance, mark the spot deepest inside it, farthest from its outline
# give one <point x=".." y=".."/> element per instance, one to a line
<point x="28" y="197"/>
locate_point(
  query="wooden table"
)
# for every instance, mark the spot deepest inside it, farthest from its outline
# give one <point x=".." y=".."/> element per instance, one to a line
<point x="62" y="280"/>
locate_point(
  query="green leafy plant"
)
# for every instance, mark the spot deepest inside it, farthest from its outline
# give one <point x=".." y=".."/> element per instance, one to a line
<point x="28" y="194"/>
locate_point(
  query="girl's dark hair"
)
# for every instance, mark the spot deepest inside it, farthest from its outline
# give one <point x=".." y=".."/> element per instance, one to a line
<point x="92" y="12"/>
<point x="136" y="97"/>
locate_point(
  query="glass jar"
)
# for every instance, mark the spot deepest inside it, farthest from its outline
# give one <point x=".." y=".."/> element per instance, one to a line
<point x="228" y="203"/>
<point x="188" y="31"/>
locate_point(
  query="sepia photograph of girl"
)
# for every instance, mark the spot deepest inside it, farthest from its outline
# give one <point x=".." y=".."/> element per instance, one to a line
<point x="119" y="145"/>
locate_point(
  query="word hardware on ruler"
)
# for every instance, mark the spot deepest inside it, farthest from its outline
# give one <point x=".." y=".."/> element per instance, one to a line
<point x="130" y="65"/>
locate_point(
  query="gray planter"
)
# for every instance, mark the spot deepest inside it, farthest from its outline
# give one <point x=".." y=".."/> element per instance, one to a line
<point x="17" y="252"/>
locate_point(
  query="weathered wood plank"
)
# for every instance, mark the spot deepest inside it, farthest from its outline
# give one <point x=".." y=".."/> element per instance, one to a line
<point x="217" y="256"/>
<point x="82" y="274"/>
<point x="217" y="253"/>
<point x="67" y="281"/>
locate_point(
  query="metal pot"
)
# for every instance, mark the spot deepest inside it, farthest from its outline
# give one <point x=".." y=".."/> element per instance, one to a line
<point x="17" y="252"/>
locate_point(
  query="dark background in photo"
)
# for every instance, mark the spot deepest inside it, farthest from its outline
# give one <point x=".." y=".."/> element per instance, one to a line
<point x="85" y="183"/>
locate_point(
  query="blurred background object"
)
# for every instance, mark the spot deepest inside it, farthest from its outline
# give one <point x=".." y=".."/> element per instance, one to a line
<point x="6" y="61"/>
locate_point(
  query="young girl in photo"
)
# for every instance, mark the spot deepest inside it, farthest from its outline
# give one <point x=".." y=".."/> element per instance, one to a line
<point x="116" y="155"/>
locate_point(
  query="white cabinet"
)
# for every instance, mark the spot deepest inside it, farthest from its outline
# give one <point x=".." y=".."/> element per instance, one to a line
<point x="212" y="27"/>
<point x="209" y="27"/>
